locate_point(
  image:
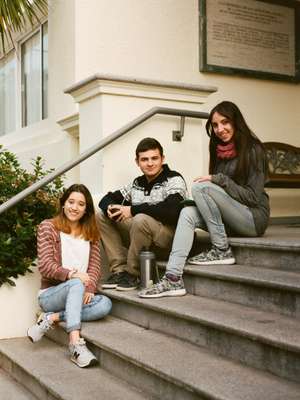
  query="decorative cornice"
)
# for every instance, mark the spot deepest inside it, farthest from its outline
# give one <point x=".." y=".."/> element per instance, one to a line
<point x="144" y="88"/>
<point x="70" y="124"/>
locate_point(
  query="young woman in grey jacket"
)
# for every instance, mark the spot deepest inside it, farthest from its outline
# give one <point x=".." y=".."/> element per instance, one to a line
<point x="230" y="200"/>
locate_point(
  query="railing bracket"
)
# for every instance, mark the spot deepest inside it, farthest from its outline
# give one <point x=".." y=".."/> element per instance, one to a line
<point x="178" y="135"/>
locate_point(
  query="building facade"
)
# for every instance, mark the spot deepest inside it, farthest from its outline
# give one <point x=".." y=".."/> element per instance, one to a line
<point x="91" y="66"/>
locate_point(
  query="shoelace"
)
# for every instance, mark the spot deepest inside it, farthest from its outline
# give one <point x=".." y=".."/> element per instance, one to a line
<point x="45" y="324"/>
<point x="161" y="284"/>
<point x="80" y="342"/>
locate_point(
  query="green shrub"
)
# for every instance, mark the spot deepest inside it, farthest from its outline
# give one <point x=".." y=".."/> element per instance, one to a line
<point x="18" y="225"/>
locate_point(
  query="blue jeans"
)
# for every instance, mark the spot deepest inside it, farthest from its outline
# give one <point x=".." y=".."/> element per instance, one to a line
<point x="215" y="211"/>
<point x="67" y="299"/>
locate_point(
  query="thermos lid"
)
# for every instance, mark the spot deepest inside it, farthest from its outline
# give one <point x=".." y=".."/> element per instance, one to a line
<point x="146" y="250"/>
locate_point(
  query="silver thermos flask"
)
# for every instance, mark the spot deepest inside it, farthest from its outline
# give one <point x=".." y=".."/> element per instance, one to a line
<point x="147" y="266"/>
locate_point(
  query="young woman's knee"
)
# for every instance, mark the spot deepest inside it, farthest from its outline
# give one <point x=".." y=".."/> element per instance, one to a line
<point x="106" y="305"/>
<point x="201" y="187"/>
<point x="76" y="283"/>
<point x="101" y="307"/>
<point x="189" y="215"/>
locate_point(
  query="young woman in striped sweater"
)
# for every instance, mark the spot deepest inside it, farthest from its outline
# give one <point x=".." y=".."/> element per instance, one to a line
<point x="69" y="263"/>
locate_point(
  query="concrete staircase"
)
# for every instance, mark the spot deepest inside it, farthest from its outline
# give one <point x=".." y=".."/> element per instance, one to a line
<point x="235" y="336"/>
<point x="11" y="390"/>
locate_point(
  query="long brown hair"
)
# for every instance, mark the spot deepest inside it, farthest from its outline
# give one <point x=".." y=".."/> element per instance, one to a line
<point x="245" y="141"/>
<point x="88" y="225"/>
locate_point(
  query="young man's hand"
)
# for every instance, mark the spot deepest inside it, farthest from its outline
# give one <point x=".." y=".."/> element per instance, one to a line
<point x="125" y="212"/>
<point x="113" y="211"/>
<point x="118" y="212"/>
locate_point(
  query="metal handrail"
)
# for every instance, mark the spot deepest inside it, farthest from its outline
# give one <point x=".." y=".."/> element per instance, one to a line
<point x="96" y="147"/>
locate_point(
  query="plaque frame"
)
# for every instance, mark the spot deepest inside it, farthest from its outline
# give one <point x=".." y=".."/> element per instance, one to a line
<point x="236" y="71"/>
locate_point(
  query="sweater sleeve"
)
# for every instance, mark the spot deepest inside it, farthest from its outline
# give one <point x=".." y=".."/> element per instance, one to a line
<point x="249" y="193"/>
<point x="110" y="198"/>
<point x="94" y="267"/>
<point x="48" y="264"/>
<point x="122" y="196"/>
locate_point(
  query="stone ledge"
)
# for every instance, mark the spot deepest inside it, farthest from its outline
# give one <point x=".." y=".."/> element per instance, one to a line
<point x="99" y="84"/>
<point x="140" y="81"/>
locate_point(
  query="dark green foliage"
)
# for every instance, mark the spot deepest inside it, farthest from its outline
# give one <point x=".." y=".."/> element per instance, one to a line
<point x="18" y="225"/>
<point x="14" y="14"/>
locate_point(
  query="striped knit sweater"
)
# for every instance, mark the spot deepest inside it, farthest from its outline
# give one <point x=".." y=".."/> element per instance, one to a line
<point x="49" y="258"/>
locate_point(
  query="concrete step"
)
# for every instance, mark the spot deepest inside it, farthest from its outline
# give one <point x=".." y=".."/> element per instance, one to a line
<point x="263" y="340"/>
<point x="278" y="248"/>
<point x="44" y="369"/>
<point x="262" y="288"/>
<point x="12" y="390"/>
<point x="173" y="369"/>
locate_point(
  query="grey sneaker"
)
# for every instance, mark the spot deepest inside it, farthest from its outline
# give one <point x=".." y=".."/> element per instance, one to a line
<point x="213" y="256"/>
<point x="164" y="288"/>
<point x="81" y="355"/>
<point x="38" y="330"/>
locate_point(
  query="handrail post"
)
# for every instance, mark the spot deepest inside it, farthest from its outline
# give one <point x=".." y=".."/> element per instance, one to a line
<point x="182" y="122"/>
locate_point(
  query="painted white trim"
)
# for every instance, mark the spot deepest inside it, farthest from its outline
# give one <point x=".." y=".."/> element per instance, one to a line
<point x="70" y="124"/>
<point x="139" y="88"/>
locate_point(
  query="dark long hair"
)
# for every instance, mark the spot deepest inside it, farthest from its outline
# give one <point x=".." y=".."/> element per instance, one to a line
<point x="245" y="141"/>
<point x="88" y="225"/>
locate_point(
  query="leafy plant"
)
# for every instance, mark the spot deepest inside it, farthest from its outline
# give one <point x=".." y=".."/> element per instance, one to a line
<point x="19" y="224"/>
<point x="15" y="13"/>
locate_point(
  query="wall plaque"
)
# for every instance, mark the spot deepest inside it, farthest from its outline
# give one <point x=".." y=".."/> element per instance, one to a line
<point x="260" y="38"/>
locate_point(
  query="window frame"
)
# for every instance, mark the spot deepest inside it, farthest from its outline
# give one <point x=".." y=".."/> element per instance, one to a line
<point x="4" y="59"/>
<point x="18" y="57"/>
<point x="22" y="116"/>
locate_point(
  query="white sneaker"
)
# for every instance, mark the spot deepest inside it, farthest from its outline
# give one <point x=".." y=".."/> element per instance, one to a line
<point x="38" y="330"/>
<point x="81" y="355"/>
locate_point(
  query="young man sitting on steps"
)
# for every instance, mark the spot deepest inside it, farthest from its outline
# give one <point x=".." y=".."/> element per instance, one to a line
<point x="141" y="214"/>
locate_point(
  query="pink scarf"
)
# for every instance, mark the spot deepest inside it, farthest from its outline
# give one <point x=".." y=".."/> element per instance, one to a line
<point x="226" y="151"/>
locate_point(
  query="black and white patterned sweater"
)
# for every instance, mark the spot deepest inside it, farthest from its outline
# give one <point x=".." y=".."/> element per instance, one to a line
<point x="160" y="198"/>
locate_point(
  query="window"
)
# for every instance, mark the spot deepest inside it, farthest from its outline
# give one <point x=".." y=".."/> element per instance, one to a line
<point x="34" y="83"/>
<point x="8" y="94"/>
<point x="45" y="71"/>
<point x="34" y="77"/>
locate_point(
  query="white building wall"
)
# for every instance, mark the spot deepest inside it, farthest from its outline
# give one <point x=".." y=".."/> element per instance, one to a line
<point x="62" y="61"/>
<point x="160" y="40"/>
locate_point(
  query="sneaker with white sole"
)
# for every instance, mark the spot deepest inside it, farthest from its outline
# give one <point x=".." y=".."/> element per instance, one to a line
<point x="164" y="288"/>
<point x="81" y="355"/>
<point x="128" y="282"/>
<point x="113" y="281"/>
<point x="214" y="256"/>
<point x="38" y="330"/>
